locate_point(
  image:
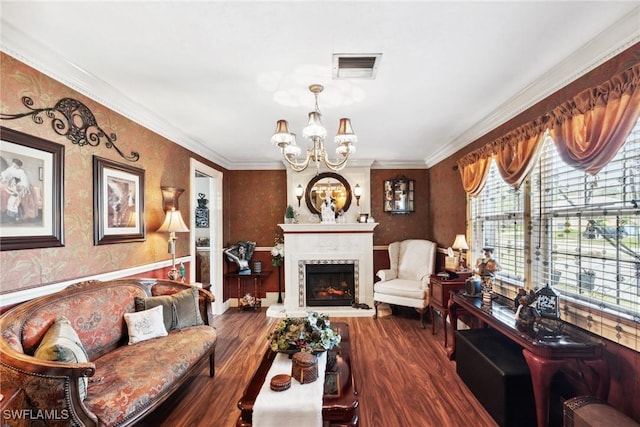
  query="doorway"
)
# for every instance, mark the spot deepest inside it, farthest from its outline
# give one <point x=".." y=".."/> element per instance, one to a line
<point x="206" y="238"/>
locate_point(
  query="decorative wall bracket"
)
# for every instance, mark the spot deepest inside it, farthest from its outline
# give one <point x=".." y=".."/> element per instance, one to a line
<point x="73" y="119"/>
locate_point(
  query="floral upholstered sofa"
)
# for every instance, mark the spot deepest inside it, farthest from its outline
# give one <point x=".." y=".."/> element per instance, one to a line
<point x="105" y="353"/>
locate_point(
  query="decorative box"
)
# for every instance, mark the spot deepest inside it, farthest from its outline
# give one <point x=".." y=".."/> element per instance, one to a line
<point x="280" y="382"/>
<point x="304" y="367"/>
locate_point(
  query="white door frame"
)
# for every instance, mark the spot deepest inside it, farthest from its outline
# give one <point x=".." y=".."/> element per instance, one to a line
<point x="215" y="231"/>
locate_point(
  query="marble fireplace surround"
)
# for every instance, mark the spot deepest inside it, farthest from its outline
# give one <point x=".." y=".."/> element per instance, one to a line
<point x="323" y="243"/>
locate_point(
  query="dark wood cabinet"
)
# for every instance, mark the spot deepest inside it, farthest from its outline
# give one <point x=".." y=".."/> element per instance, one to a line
<point x="439" y="290"/>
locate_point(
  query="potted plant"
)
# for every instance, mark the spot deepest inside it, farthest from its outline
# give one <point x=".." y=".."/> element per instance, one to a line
<point x="289" y="215"/>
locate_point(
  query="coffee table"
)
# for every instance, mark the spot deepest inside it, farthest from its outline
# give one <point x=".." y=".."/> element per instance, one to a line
<point x="340" y="401"/>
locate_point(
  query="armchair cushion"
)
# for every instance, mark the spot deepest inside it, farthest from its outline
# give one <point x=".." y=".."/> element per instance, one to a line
<point x="401" y="288"/>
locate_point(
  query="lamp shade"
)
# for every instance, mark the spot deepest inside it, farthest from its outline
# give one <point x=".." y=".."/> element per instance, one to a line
<point x="460" y="243"/>
<point x="281" y="137"/>
<point x="173" y="223"/>
<point x="345" y="133"/>
<point x="357" y="191"/>
<point x="314" y="128"/>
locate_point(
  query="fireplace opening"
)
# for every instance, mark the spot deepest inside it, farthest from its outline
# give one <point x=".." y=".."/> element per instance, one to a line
<point x="330" y="284"/>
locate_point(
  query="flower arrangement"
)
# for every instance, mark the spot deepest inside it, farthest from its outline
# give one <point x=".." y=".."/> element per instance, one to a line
<point x="311" y="334"/>
<point x="277" y="252"/>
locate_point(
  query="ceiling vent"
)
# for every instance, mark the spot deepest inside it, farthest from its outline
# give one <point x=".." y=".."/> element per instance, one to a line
<point x="356" y="65"/>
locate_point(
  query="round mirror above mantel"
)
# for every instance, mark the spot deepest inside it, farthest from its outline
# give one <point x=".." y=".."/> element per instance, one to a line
<point x="328" y="183"/>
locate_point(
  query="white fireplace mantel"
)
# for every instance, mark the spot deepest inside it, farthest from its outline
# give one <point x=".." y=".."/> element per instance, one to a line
<point x="320" y="228"/>
<point x="309" y="243"/>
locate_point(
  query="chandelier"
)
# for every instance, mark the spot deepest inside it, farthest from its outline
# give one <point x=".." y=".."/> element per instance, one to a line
<point x="316" y="134"/>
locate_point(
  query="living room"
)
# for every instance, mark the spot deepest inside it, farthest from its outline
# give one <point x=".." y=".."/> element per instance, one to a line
<point x="250" y="205"/>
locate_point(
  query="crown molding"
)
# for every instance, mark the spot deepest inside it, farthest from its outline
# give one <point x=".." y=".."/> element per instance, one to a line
<point x="606" y="45"/>
<point x="612" y="41"/>
<point x="382" y="164"/>
<point x="44" y="59"/>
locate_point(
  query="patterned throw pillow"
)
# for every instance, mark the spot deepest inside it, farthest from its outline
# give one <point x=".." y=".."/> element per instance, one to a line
<point x="144" y="325"/>
<point x="180" y="309"/>
<point x="62" y="344"/>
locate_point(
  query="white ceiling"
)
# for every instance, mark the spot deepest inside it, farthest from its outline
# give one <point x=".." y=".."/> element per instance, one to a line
<point x="215" y="76"/>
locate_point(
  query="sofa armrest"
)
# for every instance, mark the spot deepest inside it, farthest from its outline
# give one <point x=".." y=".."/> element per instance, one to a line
<point x="387" y="274"/>
<point x="206" y="299"/>
<point x="48" y="384"/>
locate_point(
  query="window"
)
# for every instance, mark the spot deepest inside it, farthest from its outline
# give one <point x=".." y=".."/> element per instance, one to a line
<point x="578" y="232"/>
<point x="497" y="221"/>
<point x="588" y="229"/>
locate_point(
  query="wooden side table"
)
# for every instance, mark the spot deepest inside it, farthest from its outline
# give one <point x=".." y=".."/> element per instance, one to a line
<point x="439" y="290"/>
<point x="242" y="279"/>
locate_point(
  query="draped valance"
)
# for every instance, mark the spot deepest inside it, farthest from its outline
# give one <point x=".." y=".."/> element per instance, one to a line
<point x="588" y="130"/>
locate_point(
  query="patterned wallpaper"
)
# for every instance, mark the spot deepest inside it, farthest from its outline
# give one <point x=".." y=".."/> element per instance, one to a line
<point x="163" y="161"/>
<point x="258" y="200"/>
<point x="394" y="227"/>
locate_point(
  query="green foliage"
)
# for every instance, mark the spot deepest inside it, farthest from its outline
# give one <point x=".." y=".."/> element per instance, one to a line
<point x="289" y="213"/>
<point x="311" y="333"/>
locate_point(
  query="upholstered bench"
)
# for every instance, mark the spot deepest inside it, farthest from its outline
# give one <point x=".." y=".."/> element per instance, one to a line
<point x="495" y="371"/>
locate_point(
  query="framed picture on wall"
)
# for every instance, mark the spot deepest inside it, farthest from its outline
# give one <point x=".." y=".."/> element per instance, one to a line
<point x="31" y="191"/>
<point x="118" y="203"/>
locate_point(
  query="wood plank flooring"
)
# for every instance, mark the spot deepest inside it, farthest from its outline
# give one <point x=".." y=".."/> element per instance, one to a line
<point x="401" y="372"/>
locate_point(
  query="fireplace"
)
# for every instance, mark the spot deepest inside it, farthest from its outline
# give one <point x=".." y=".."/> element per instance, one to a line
<point x="326" y="244"/>
<point x="330" y="284"/>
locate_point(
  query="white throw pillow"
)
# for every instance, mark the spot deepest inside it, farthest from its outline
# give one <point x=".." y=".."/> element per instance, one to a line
<point x="144" y="325"/>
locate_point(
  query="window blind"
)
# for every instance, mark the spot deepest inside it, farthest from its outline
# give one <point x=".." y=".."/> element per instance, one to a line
<point x="497" y="221"/>
<point x="586" y="228"/>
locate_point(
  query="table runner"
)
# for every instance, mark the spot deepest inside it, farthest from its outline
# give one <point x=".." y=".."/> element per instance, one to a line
<point x="300" y="405"/>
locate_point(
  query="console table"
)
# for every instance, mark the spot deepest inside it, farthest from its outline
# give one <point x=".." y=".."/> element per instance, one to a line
<point x="241" y="280"/>
<point x="546" y="350"/>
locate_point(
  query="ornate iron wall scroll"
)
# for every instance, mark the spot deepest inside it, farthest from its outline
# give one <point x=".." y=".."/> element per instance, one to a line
<point x="79" y="124"/>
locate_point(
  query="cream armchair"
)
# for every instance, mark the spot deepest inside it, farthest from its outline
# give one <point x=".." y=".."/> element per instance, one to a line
<point x="406" y="283"/>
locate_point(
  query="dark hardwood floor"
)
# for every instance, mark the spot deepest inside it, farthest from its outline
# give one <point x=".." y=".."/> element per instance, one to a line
<point x="401" y="372"/>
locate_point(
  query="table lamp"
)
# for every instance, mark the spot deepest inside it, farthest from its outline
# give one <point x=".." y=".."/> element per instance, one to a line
<point x="460" y="244"/>
<point x="173" y="223"/>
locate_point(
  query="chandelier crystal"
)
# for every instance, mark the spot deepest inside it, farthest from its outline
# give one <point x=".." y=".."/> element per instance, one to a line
<point x="316" y="133"/>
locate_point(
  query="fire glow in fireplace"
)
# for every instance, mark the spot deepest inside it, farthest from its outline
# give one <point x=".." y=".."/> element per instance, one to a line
<point x="330" y="284"/>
